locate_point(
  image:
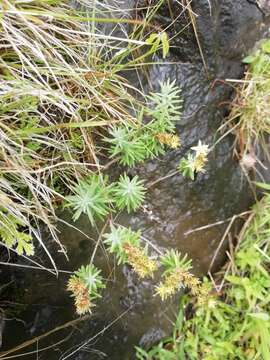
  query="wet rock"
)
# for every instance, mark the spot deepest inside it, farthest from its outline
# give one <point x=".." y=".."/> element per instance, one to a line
<point x="265" y="6"/>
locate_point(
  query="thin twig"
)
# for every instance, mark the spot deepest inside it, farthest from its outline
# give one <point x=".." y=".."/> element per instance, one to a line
<point x="80" y="347"/>
<point x="214" y="224"/>
<point x="39" y="349"/>
<point x="162" y="179"/>
<point x="152" y="245"/>
<point x="194" y="25"/>
<point x="223" y="239"/>
<point x="40" y="337"/>
<point x="52" y="271"/>
<point x="230" y="256"/>
<point x="98" y="241"/>
<point x="34" y="267"/>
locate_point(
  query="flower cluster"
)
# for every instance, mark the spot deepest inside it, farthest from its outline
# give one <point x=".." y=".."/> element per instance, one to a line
<point x="194" y="163"/>
<point x="85" y="285"/>
<point x="140" y="262"/>
<point x="80" y="292"/>
<point x="200" y="158"/>
<point x="176" y="275"/>
<point x="182" y="278"/>
<point x="204" y="297"/>
<point x="171" y="140"/>
<point x="125" y="244"/>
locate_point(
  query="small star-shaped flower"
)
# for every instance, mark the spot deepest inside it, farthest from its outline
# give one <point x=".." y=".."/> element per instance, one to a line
<point x="201" y="149"/>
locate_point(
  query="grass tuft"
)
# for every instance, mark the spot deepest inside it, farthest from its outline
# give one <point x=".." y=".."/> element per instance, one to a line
<point x="249" y="118"/>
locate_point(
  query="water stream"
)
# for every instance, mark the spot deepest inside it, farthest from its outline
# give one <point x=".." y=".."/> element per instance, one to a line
<point x="128" y="311"/>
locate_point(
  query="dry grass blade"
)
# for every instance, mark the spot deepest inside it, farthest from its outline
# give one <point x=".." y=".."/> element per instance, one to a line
<point x="249" y="118"/>
<point x="27" y="343"/>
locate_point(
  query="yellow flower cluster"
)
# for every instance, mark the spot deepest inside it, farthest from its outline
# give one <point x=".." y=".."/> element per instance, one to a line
<point x="80" y="292"/>
<point x="180" y="277"/>
<point x="170" y="140"/>
<point x="75" y="285"/>
<point x="83" y="304"/>
<point x="137" y="258"/>
<point x="203" y="296"/>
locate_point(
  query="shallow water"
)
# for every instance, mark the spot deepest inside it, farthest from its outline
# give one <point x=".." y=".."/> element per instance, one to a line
<point x="144" y="318"/>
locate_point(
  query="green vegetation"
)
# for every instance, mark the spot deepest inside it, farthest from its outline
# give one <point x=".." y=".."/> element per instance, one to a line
<point x="234" y="320"/>
<point x="85" y="285"/>
<point x="91" y="197"/>
<point x="67" y="115"/>
<point x="176" y="275"/>
<point x="128" y="248"/>
<point x="94" y="197"/>
<point x="249" y="118"/>
<point x="134" y="143"/>
<point x="64" y="108"/>
<point x="117" y="237"/>
<point x="129" y="194"/>
<point x="194" y="163"/>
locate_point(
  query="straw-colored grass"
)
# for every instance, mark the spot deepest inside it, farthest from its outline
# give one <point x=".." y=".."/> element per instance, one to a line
<point x="250" y="113"/>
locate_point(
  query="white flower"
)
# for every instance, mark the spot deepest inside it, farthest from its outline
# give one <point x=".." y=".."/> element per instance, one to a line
<point x="201" y="149"/>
